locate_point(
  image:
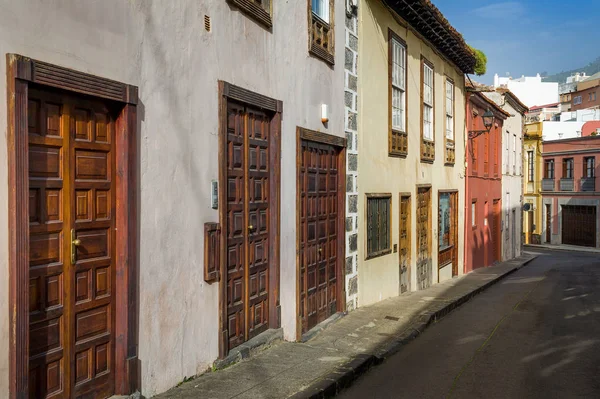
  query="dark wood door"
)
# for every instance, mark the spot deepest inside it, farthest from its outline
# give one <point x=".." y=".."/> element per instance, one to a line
<point x="579" y="225"/>
<point x="247" y="230"/>
<point x="71" y="219"/>
<point x="404" y="252"/>
<point x="424" y="260"/>
<point x="319" y="223"/>
<point x="496" y="230"/>
<point x="548" y="224"/>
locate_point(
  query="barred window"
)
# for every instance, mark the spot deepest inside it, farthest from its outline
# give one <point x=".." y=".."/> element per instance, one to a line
<point x="378" y="224"/>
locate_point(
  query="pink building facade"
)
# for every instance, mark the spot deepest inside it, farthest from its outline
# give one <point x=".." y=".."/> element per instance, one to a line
<point x="571" y="192"/>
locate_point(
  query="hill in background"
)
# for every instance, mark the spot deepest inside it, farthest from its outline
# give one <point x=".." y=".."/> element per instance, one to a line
<point x="589" y="69"/>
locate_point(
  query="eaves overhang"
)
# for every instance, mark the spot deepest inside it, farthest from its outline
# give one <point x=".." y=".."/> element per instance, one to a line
<point x="426" y="19"/>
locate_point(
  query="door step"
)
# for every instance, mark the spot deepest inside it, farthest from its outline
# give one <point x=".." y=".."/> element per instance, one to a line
<point x="310" y="334"/>
<point x="245" y="350"/>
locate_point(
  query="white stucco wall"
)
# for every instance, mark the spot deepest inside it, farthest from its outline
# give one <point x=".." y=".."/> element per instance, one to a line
<point x="378" y="278"/>
<point x="561" y="130"/>
<point x="162" y="47"/>
<point x="531" y="90"/>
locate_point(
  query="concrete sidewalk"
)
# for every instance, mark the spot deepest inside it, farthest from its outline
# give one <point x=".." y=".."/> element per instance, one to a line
<point x="561" y="247"/>
<point x="344" y="350"/>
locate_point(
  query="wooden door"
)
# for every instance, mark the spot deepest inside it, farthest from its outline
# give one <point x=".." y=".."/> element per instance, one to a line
<point x="71" y="222"/>
<point x="579" y="225"/>
<point x="448" y="231"/>
<point x="404" y="252"/>
<point x="424" y="261"/>
<point x="319" y="223"/>
<point x="548" y="224"/>
<point x="496" y="230"/>
<point x="247" y="230"/>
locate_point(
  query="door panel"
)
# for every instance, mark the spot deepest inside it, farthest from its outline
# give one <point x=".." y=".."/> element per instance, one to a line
<point x="71" y="197"/>
<point x="424" y="263"/>
<point x="448" y="231"/>
<point x="404" y="251"/>
<point x="248" y="217"/>
<point x="319" y="217"/>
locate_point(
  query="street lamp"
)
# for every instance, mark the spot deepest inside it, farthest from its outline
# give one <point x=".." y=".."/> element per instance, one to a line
<point x="488" y="122"/>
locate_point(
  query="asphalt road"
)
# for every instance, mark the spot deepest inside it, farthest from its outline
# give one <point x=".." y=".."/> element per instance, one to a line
<point x="535" y="334"/>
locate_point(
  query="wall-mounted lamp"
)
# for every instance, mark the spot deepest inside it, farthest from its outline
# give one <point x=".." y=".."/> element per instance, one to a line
<point x="488" y="122"/>
<point x="324" y="113"/>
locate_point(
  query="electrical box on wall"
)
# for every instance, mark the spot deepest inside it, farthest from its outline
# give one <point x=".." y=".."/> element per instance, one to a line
<point x="214" y="194"/>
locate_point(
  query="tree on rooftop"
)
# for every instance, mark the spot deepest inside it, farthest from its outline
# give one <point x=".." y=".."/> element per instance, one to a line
<point x="480" y="62"/>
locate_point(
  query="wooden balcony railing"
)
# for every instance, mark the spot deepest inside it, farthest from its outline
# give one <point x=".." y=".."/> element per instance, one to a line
<point x="427" y="150"/>
<point x="321" y="39"/>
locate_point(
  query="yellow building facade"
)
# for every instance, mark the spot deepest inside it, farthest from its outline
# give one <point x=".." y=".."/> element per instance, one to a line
<point x="410" y="162"/>
<point x="532" y="183"/>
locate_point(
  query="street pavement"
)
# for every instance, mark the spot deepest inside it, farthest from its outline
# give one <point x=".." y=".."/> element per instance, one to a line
<point x="536" y="334"/>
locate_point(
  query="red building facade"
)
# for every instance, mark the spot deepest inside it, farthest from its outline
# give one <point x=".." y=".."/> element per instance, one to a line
<point x="570" y="192"/>
<point x="483" y="207"/>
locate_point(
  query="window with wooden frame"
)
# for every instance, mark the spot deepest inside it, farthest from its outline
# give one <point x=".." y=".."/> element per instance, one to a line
<point x="398" y="117"/>
<point x="449" y="106"/>
<point x="379" y="215"/>
<point x="590" y="166"/>
<point x="549" y="169"/>
<point x="260" y="10"/>
<point x="496" y="148"/>
<point x="486" y="153"/>
<point x="514" y="159"/>
<point x="427" y="111"/>
<point x="530" y="174"/>
<point x="474" y="161"/>
<point x="474" y="213"/>
<point x="321" y="29"/>
<point x="567" y="168"/>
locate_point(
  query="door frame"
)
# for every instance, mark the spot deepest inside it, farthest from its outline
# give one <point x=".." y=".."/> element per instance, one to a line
<point x="228" y="91"/>
<point x="340" y="143"/>
<point x="454" y="228"/>
<point x="21" y="73"/>
<point x="425" y="187"/>
<point x="409" y="239"/>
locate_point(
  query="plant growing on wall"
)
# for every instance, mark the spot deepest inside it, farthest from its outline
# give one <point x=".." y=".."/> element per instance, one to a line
<point x="480" y="63"/>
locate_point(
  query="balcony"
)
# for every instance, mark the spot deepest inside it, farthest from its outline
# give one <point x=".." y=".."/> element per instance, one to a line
<point x="548" y="184"/>
<point x="588" y="184"/>
<point x="566" y="184"/>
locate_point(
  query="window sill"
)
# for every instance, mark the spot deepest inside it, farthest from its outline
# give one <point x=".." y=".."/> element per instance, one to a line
<point x="255" y="11"/>
<point x="450" y="164"/>
<point x="427" y="160"/>
<point x="378" y="254"/>
<point x="398" y="154"/>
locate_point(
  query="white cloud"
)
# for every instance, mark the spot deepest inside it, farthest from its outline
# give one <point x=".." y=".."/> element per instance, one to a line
<point x="505" y="10"/>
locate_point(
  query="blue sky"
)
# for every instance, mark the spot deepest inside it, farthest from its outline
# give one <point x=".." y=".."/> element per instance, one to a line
<point x="529" y="36"/>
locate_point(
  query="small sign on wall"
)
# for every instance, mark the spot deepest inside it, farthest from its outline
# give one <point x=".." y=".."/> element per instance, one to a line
<point x="214" y="194"/>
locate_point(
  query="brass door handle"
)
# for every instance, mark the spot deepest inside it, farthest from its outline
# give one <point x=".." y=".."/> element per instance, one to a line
<point x="75" y="242"/>
<point x="250" y="228"/>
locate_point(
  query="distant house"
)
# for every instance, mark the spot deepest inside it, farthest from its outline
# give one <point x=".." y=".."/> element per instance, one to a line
<point x="570" y="192"/>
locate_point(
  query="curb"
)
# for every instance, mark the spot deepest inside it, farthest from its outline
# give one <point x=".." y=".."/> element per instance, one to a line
<point x="344" y="376"/>
<point x="558" y="248"/>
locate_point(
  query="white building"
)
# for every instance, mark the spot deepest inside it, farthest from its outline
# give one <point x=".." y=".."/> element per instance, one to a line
<point x="571" y="84"/>
<point x="530" y="90"/>
<point x="561" y="130"/>
<point x="512" y="183"/>
<point x="582" y="115"/>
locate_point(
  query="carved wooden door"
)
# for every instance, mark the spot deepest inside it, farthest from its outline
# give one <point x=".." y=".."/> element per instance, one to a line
<point x="246" y="232"/>
<point x="423" y="245"/>
<point x="404" y="251"/>
<point x="71" y="219"/>
<point x="318" y="210"/>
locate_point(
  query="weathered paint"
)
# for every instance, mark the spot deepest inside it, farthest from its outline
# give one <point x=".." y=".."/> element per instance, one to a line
<point x="380" y="173"/>
<point x="163" y="48"/>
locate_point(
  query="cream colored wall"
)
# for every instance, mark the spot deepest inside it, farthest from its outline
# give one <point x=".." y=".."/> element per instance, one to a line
<point x="162" y="47"/>
<point x="379" y="173"/>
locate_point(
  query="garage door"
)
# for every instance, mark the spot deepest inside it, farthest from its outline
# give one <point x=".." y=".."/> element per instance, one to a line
<point x="579" y="225"/>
